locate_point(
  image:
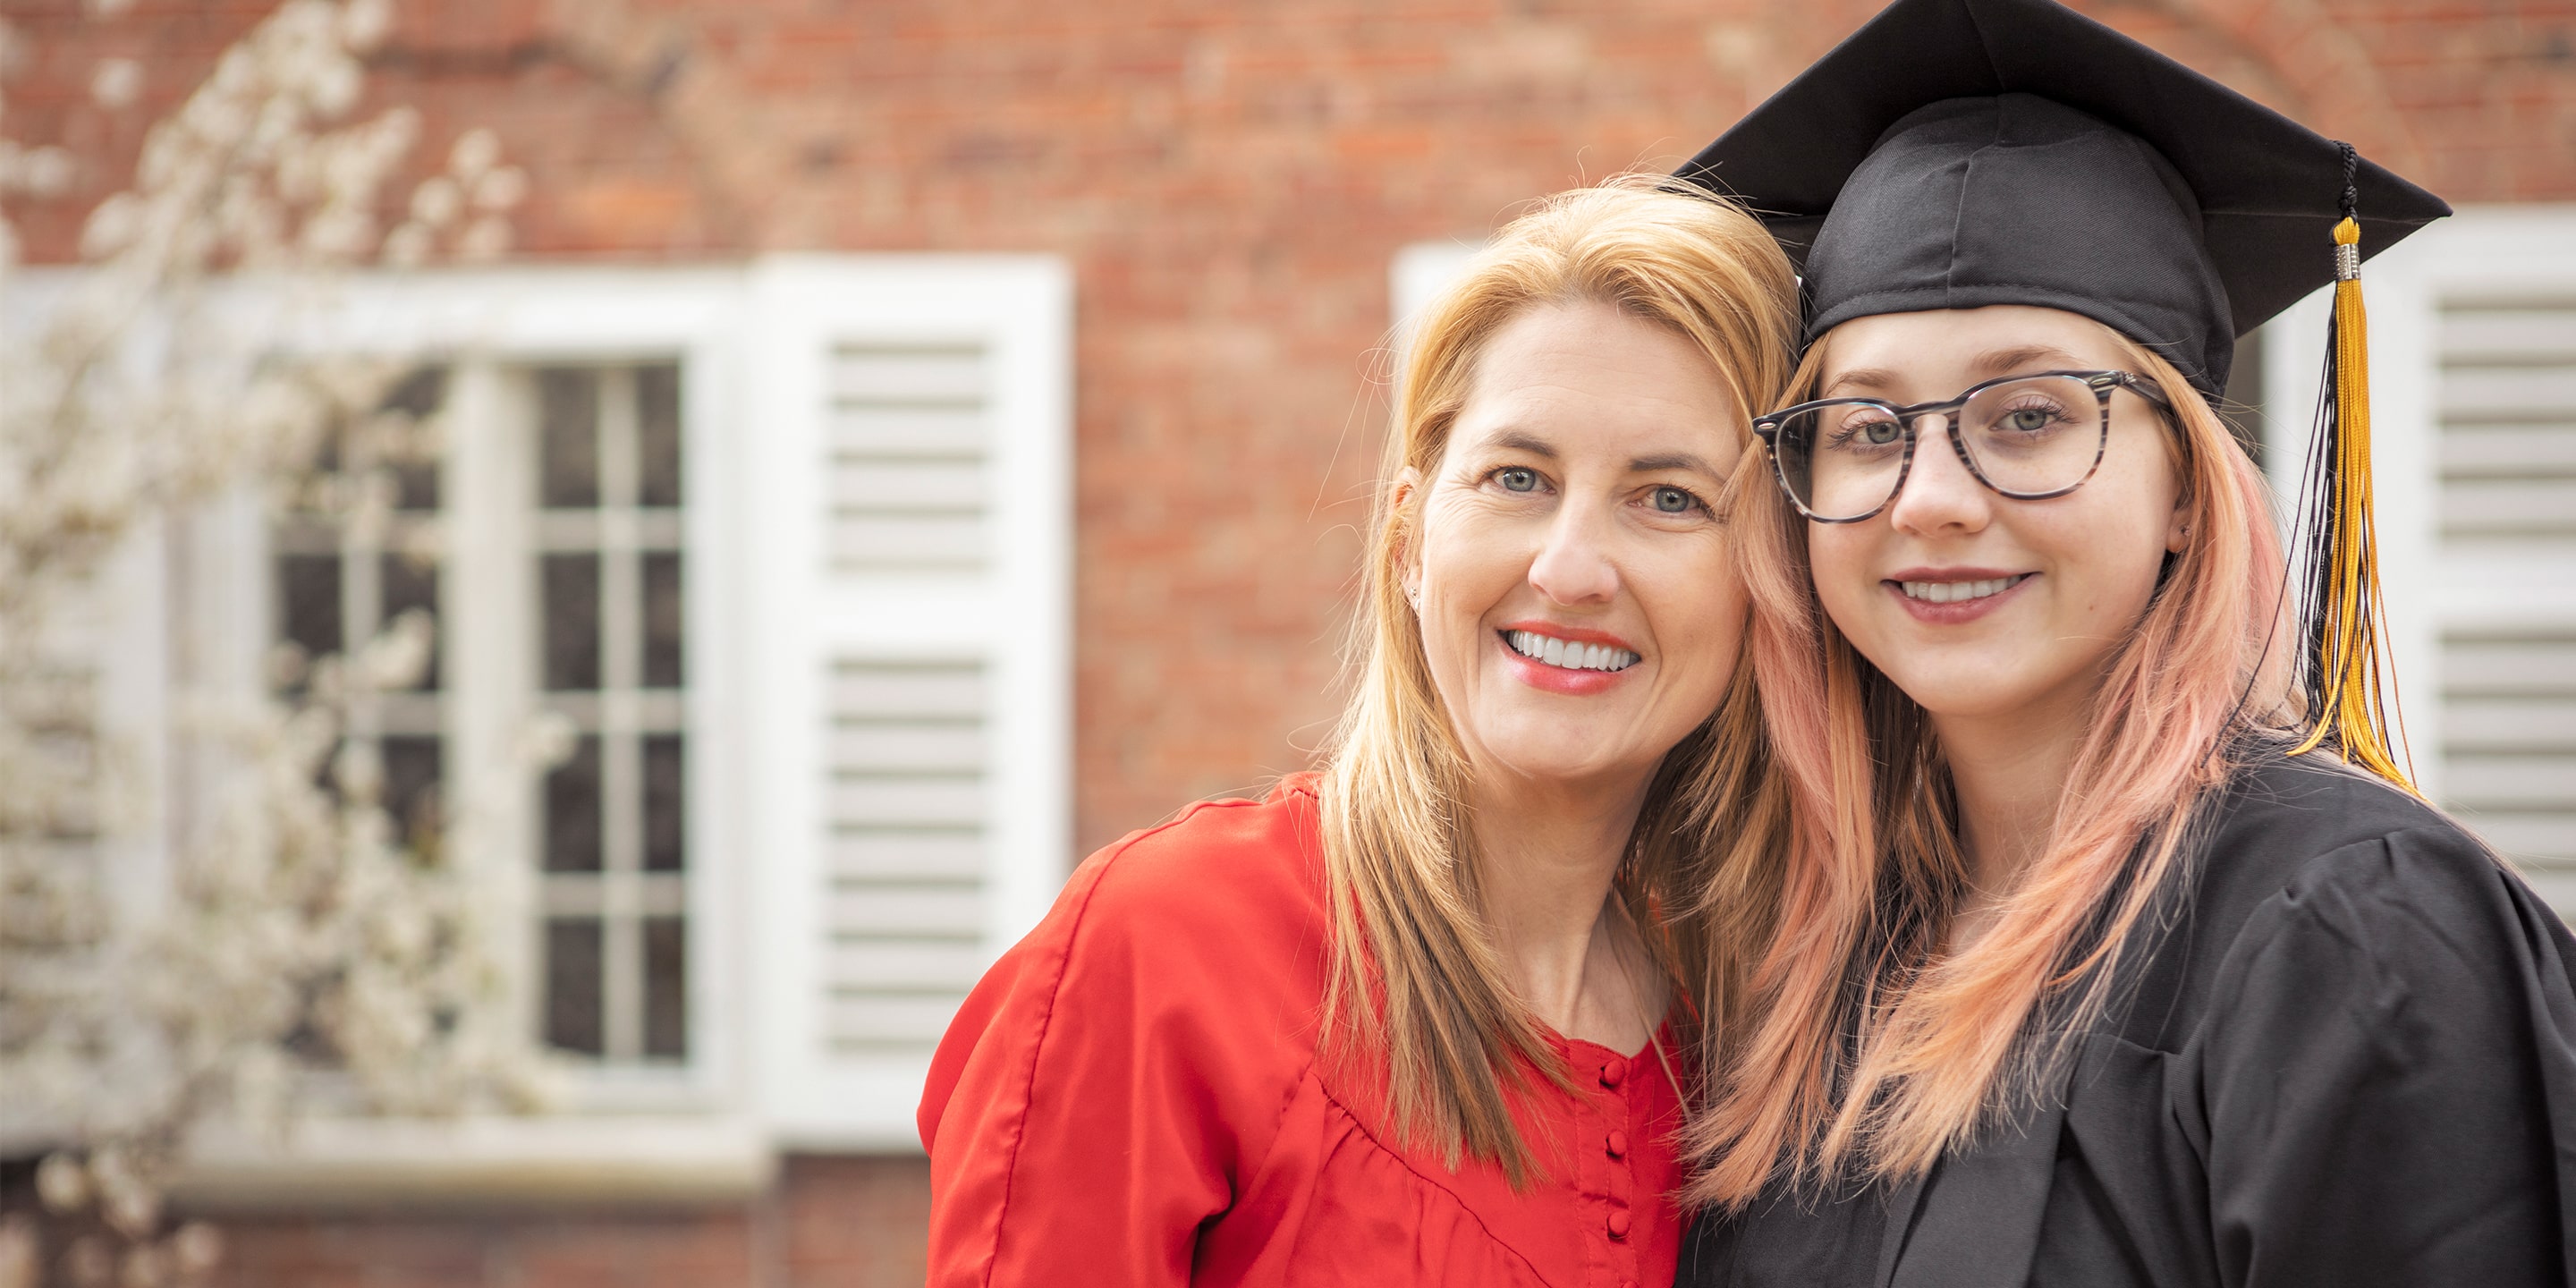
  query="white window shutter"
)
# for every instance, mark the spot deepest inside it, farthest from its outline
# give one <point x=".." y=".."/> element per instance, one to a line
<point x="908" y="606"/>
<point x="2473" y="400"/>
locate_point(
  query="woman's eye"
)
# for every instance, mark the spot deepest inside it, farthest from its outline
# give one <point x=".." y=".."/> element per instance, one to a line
<point x="1673" y="500"/>
<point x="2030" y="420"/>
<point x="1517" y="479"/>
<point x="1872" y="430"/>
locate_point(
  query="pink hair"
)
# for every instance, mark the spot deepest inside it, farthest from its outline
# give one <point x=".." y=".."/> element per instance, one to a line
<point x="1876" y="876"/>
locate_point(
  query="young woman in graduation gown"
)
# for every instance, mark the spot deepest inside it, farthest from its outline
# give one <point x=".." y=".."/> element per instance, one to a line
<point x="2115" y="949"/>
<point x="1415" y="1019"/>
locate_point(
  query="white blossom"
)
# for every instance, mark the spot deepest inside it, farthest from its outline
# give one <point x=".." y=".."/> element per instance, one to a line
<point x="304" y="932"/>
<point x="501" y="189"/>
<point x="476" y="152"/>
<point x="116" y="83"/>
<point x="488" y="239"/>
<point x="437" y="201"/>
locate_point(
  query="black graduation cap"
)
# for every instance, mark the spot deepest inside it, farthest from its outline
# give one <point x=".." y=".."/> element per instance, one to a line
<point x="1957" y="153"/>
<point x="1954" y="154"/>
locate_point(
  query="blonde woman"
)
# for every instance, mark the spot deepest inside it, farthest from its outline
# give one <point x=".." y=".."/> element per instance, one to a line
<point x="1414" y="1020"/>
<point x="2110" y="957"/>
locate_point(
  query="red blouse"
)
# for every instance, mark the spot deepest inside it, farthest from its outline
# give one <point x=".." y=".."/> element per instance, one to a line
<point x="1131" y="1096"/>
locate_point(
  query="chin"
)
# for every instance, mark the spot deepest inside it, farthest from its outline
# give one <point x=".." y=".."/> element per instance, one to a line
<point x="1970" y="696"/>
<point x="1557" y="759"/>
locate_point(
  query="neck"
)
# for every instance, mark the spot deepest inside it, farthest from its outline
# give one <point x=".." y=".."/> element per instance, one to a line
<point x="1549" y="852"/>
<point x="2010" y="772"/>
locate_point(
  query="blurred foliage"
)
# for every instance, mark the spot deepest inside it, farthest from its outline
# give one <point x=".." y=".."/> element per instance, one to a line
<point x="298" y="943"/>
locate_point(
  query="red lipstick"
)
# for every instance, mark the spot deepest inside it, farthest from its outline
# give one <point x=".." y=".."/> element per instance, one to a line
<point x="1570" y="680"/>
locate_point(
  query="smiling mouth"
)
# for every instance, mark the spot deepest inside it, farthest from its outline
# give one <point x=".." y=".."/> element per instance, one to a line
<point x="1952" y="592"/>
<point x="1566" y="654"/>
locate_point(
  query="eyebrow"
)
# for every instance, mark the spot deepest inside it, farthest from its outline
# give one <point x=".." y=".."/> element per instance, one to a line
<point x="1993" y="362"/>
<point x="1515" y="440"/>
<point x="1862" y="377"/>
<point x="2000" y="361"/>
<point x="1670" y="461"/>
<point x="1520" y="442"/>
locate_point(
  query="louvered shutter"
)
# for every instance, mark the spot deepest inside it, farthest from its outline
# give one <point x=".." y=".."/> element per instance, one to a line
<point x="2473" y="347"/>
<point x="909" y="500"/>
<point x="2508" y="517"/>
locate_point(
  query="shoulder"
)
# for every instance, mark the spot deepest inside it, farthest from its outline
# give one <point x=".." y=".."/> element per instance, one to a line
<point x="1218" y="910"/>
<point x="2293" y="826"/>
<point x="1209" y="924"/>
<point x="2311" y="861"/>
<point x="1217" y="869"/>
<point x="2302" y="856"/>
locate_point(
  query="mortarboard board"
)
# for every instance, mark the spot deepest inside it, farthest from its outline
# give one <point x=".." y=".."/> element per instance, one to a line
<point x="1955" y="154"/>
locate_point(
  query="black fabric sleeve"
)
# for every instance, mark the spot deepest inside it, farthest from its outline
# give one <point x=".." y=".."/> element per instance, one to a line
<point x="2388" y="1073"/>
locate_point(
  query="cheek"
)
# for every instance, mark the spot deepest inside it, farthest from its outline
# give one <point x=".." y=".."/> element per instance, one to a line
<point x="1697" y="608"/>
<point x="2119" y="539"/>
<point x="1838" y="560"/>
<point x="1468" y="563"/>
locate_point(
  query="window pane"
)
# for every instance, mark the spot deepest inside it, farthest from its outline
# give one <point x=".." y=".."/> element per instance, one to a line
<point x="664" y="620"/>
<point x="570" y="601"/>
<point x="666" y="988"/>
<point x="665" y="781"/>
<point x="568" y="437"/>
<point x="412" y="583"/>
<point x="572" y="985"/>
<point x="416" y="474"/>
<point x="657" y="425"/>
<point x="411" y="792"/>
<point x="572" y="810"/>
<point x="308" y="602"/>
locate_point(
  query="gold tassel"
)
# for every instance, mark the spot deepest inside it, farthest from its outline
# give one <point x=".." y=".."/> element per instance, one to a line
<point x="2347" y="622"/>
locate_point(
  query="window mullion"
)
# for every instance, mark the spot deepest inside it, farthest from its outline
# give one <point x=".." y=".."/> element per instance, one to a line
<point x="362" y="548"/>
<point x="621" y="673"/>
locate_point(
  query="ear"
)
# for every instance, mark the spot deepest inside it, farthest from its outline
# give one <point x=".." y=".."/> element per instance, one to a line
<point x="1400" y="500"/>
<point x="2178" y="529"/>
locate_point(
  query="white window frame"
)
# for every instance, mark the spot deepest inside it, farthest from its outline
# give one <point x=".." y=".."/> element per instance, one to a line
<point x="748" y="338"/>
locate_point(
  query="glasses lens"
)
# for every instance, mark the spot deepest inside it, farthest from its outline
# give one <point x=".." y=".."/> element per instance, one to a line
<point x="1841" y="460"/>
<point x="2033" y="436"/>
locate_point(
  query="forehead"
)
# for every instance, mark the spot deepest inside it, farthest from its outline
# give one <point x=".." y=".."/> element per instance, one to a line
<point x="1587" y="372"/>
<point x="1948" y="349"/>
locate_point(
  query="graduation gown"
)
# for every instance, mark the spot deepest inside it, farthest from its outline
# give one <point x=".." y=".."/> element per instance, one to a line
<point x="2350" y="1061"/>
<point x="1132" y="1097"/>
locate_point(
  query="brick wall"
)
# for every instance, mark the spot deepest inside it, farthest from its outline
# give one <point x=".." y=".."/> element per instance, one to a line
<point x="1229" y="180"/>
<point x="836" y="1222"/>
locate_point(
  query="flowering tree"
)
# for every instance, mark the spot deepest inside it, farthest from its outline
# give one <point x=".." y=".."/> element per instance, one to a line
<point x="302" y="935"/>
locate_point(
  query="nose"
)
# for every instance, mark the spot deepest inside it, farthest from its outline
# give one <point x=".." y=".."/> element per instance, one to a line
<point x="1939" y="494"/>
<point x="1574" y="564"/>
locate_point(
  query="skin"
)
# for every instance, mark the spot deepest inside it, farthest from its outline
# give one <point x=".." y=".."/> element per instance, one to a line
<point x="2008" y="687"/>
<point x="1571" y="499"/>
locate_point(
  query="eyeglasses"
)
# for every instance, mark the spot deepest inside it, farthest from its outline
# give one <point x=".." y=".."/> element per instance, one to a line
<point x="1842" y="460"/>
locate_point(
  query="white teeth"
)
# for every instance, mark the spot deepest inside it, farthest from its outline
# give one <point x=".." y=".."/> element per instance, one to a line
<point x="1571" y="656"/>
<point x="1951" y="592"/>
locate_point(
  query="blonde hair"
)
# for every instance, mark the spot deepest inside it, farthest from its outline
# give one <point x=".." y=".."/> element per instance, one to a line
<point x="1415" y="975"/>
<point x="1874" y="1053"/>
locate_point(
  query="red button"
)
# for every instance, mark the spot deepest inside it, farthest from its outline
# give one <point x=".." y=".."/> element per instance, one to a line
<point x="1613" y="1072"/>
<point x="1618" y="1225"/>
<point x="1618" y="1143"/>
